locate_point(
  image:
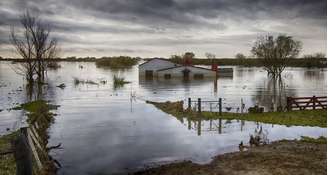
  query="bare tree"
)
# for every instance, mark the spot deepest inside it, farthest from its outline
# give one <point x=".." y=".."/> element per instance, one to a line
<point x="210" y="55"/>
<point x="24" y="47"/>
<point x="276" y="53"/>
<point x="240" y="56"/>
<point x="34" y="45"/>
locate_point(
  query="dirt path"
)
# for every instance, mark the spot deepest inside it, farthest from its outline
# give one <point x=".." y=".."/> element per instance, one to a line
<point x="278" y="158"/>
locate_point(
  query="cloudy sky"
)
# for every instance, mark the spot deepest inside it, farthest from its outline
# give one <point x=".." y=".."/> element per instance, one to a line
<point x="160" y="28"/>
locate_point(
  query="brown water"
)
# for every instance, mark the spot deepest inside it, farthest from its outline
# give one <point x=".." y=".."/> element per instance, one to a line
<point x="105" y="131"/>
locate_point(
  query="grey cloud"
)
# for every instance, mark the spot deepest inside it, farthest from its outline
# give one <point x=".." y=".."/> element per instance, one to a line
<point x="169" y="22"/>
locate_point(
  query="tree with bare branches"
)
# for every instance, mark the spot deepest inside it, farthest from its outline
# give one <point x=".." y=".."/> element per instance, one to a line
<point x="34" y="45"/>
<point x="276" y="52"/>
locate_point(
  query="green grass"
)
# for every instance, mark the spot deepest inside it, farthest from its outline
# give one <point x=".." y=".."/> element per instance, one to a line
<point x="120" y="62"/>
<point x="297" y="118"/>
<point x="7" y="162"/>
<point x="320" y="140"/>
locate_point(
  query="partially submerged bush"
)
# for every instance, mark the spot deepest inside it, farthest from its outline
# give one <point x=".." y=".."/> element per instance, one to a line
<point x="119" y="81"/>
<point x="117" y="62"/>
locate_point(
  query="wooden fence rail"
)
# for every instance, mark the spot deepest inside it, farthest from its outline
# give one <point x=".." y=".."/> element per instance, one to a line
<point x="27" y="148"/>
<point x="200" y="101"/>
<point x="303" y="103"/>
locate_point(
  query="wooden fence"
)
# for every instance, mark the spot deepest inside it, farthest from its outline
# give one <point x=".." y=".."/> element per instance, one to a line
<point x="199" y="104"/>
<point x="303" y="103"/>
<point x="29" y="151"/>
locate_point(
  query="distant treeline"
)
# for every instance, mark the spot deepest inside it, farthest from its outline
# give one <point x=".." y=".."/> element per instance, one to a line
<point x="117" y="62"/>
<point x="256" y="62"/>
<point x="71" y="59"/>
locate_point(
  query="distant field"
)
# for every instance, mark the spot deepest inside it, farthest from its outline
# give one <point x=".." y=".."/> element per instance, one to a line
<point x="255" y="62"/>
<point x="249" y="62"/>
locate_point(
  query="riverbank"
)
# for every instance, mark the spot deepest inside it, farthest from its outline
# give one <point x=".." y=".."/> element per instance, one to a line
<point x="305" y="156"/>
<point x="297" y="118"/>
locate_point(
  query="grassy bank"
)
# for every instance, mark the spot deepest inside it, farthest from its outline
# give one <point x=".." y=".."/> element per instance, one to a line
<point x="7" y="161"/>
<point x="281" y="157"/>
<point x="297" y="118"/>
<point x="116" y="62"/>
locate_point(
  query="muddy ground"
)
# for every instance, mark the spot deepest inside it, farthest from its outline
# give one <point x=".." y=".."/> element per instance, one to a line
<point x="277" y="158"/>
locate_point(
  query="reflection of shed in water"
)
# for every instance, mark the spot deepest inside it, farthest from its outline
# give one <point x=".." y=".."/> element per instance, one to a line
<point x="163" y="68"/>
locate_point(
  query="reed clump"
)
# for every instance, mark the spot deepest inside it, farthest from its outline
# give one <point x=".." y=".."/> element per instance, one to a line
<point x="119" y="81"/>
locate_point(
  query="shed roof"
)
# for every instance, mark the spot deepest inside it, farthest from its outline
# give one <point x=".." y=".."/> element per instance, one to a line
<point x="184" y="66"/>
<point x="163" y="59"/>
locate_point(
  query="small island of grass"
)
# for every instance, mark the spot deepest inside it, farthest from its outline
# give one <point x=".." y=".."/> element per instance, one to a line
<point x="297" y="118"/>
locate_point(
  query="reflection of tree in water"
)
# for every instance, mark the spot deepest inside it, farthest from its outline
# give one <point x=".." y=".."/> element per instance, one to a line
<point x="244" y="71"/>
<point x="273" y="97"/>
<point x="40" y="91"/>
<point x="314" y="74"/>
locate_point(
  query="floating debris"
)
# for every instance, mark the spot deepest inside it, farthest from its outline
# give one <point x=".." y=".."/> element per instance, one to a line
<point x="61" y="86"/>
<point x="78" y="81"/>
<point x="103" y="81"/>
<point x="228" y="108"/>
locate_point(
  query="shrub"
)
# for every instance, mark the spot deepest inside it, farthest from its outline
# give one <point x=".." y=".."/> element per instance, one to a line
<point x="117" y="62"/>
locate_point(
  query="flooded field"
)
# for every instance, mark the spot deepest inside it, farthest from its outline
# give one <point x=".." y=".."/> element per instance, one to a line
<point x="108" y="130"/>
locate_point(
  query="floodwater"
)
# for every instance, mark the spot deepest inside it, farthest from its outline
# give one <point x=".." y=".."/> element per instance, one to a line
<point x="104" y="130"/>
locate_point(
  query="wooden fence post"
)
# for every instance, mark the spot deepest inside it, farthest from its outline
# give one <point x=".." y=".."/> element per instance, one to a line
<point x="22" y="154"/>
<point x="199" y="105"/>
<point x="189" y="103"/>
<point x="220" y="106"/>
<point x="289" y="103"/>
<point x="313" y="100"/>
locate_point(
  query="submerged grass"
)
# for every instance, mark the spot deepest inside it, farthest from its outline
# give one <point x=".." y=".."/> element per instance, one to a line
<point x="297" y="118"/>
<point x="80" y="81"/>
<point x="7" y="162"/>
